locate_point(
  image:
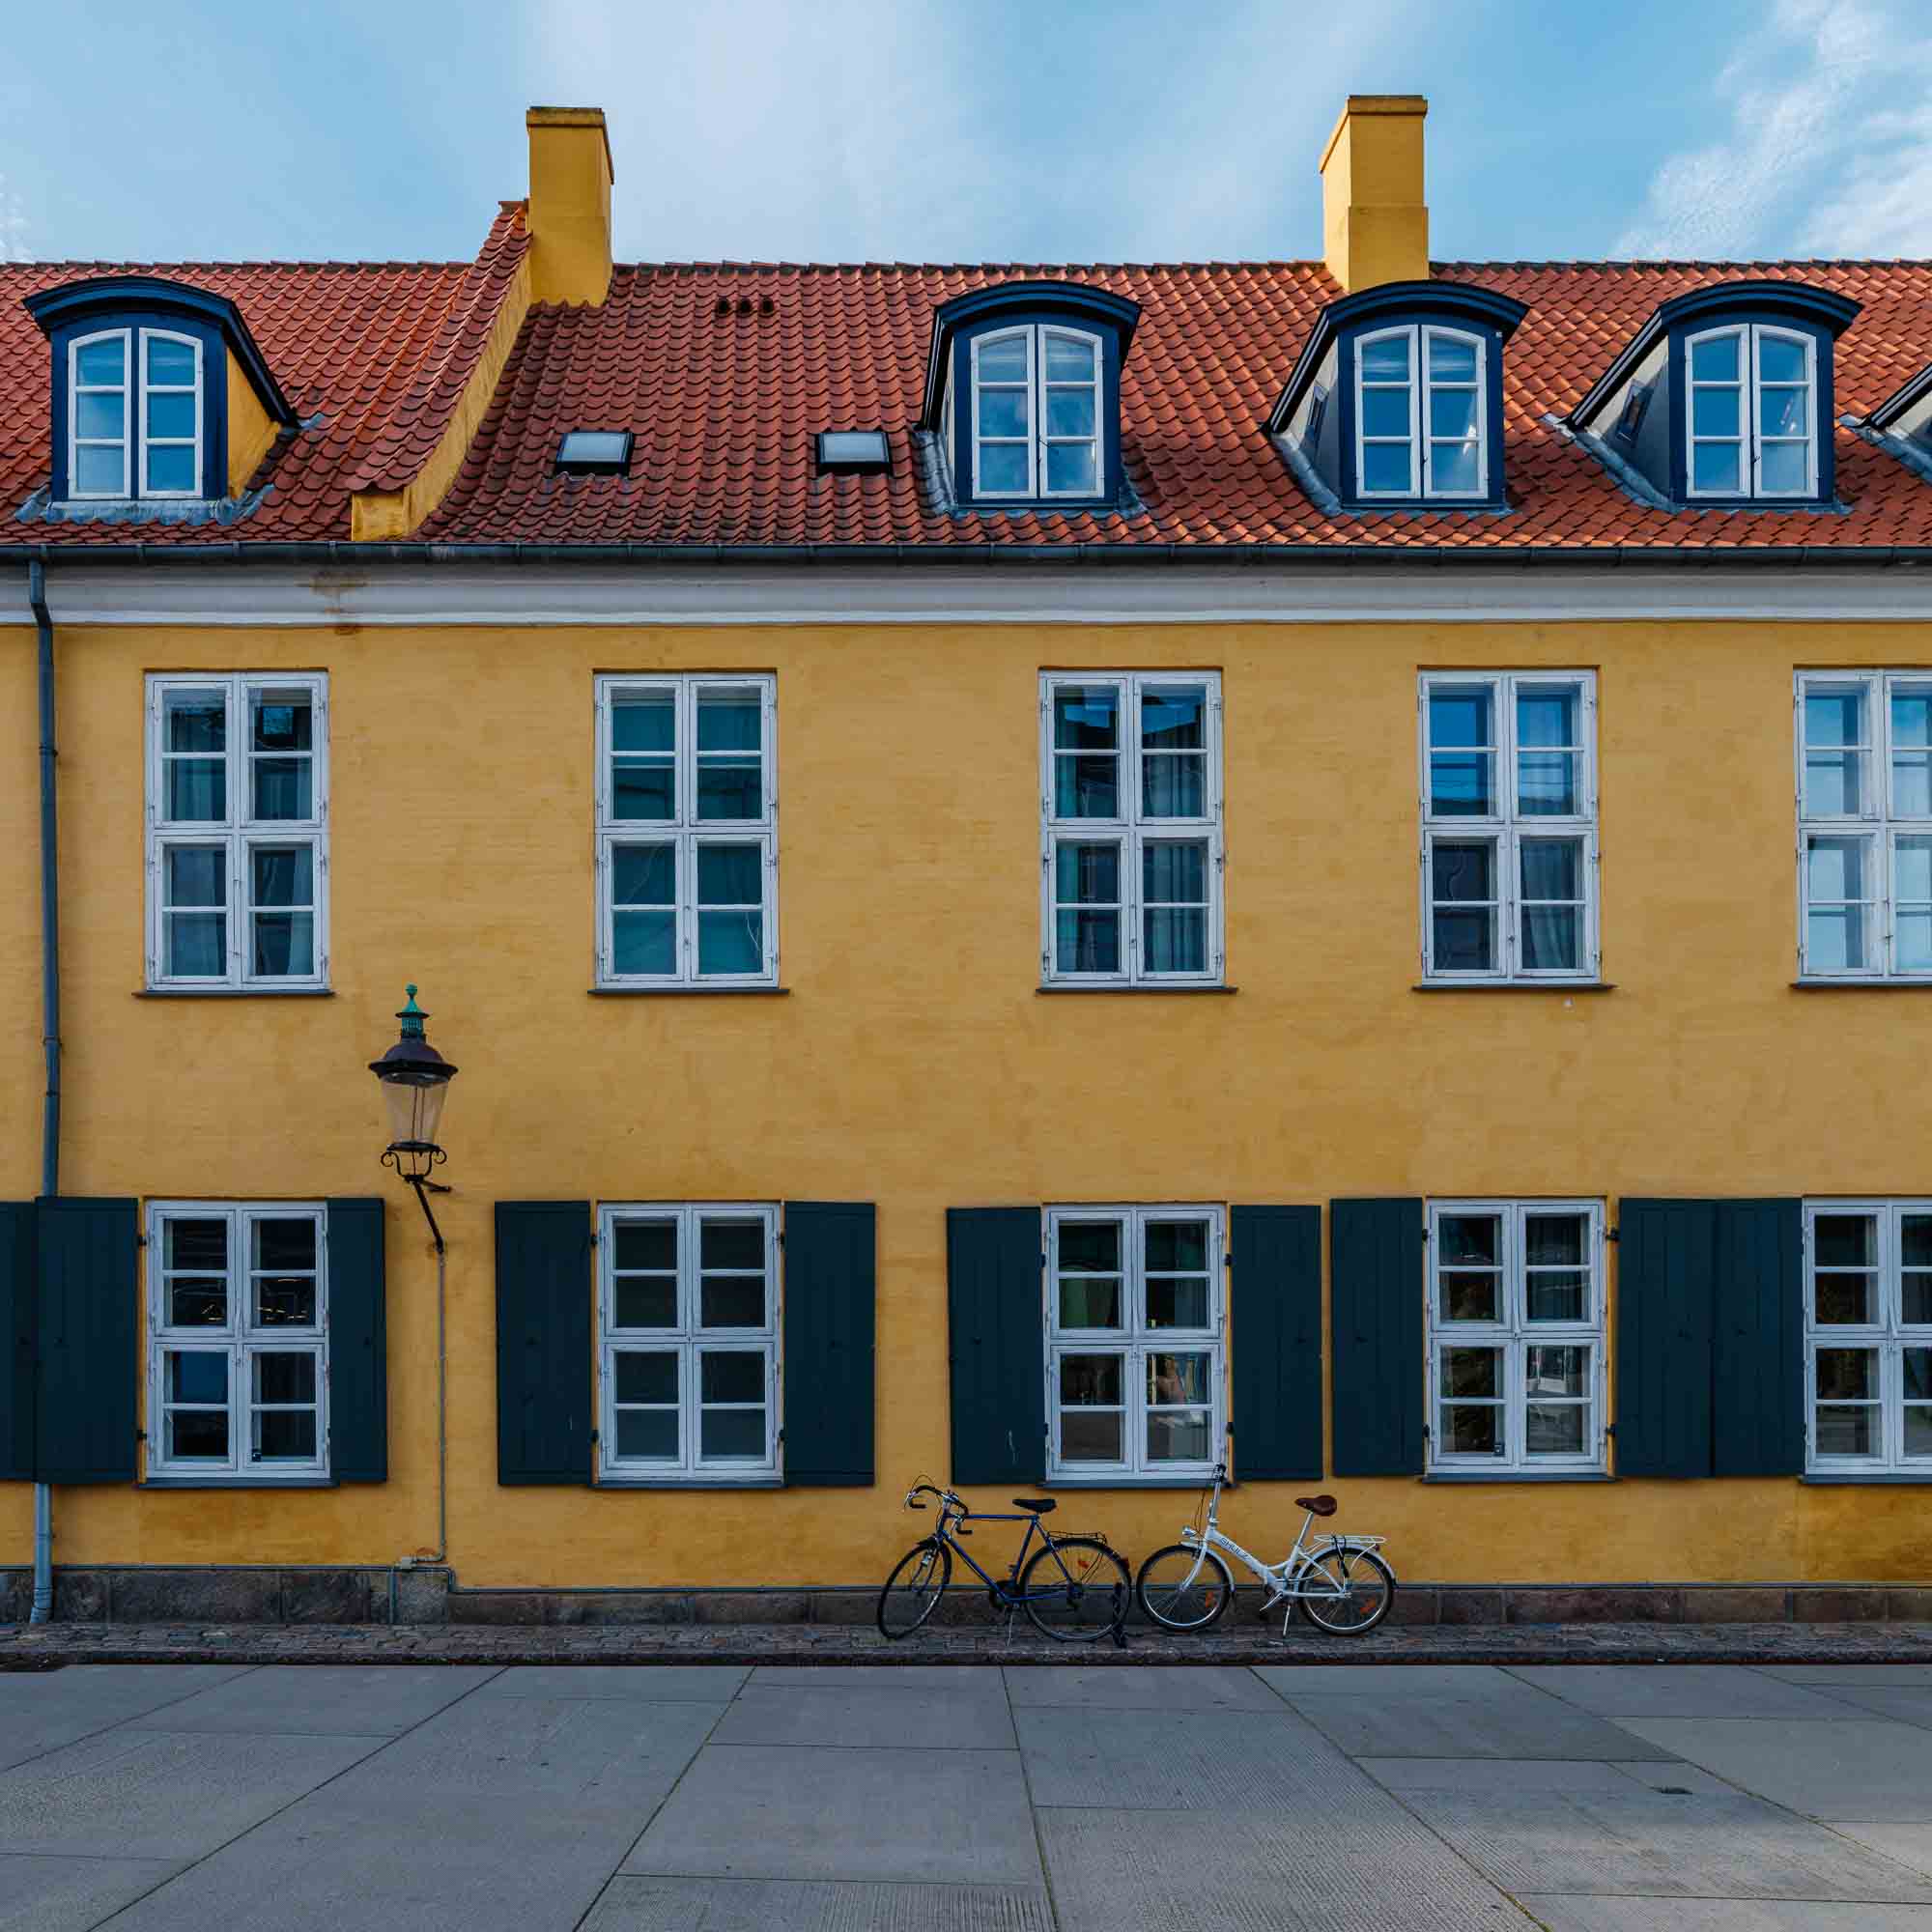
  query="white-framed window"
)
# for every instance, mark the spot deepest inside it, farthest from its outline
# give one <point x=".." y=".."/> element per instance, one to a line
<point x="238" y="1348"/>
<point x="1420" y="413"/>
<point x="1864" y="824"/>
<point x="1750" y="423"/>
<point x="1868" y="1337"/>
<point x="238" y="830"/>
<point x="1509" y="825"/>
<point x="688" y="1350"/>
<point x="687" y="831"/>
<point x="1130" y="827"/>
<point x="1516" y="1336"/>
<point x="1036" y="403"/>
<point x="1134" y="1342"/>
<point x="135" y="428"/>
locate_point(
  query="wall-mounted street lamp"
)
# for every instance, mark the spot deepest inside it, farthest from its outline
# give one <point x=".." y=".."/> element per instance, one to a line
<point x="416" y="1082"/>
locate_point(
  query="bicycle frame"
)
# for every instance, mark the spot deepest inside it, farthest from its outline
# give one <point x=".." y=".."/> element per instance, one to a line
<point x="1006" y="1588"/>
<point x="1288" y="1581"/>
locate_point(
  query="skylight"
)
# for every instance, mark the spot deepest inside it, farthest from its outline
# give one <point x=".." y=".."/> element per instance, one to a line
<point x="853" y="449"/>
<point x="595" y="452"/>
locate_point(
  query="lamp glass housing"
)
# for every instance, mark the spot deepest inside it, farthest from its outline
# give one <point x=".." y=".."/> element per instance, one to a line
<point x="415" y="1100"/>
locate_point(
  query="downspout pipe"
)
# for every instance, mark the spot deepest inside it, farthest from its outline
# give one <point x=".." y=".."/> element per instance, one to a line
<point x="37" y="596"/>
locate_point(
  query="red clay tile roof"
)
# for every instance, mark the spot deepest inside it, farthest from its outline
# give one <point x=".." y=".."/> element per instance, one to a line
<point x="725" y="407"/>
<point x="364" y="351"/>
<point x="418" y="420"/>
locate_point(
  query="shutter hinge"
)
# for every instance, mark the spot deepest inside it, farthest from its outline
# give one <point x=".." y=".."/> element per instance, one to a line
<point x="781" y="1437"/>
<point x="595" y="1240"/>
<point x="1428" y="1434"/>
<point x="140" y="1240"/>
<point x="140" y="1436"/>
<point x="781" y="1238"/>
<point x="1609" y="1428"/>
<point x="594" y="1435"/>
<point x="1612" y="1233"/>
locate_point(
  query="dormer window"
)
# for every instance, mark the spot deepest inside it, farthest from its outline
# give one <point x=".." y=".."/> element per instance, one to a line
<point x="1419" y="414"/>
<point x="140" y="438"/>
<point x="163" y="406"/>
<point x="1023" y="395"/>
<point x="1723" y="399"/>
<point x="1752" y="415"/>
<point x="1396" y="400"/>
<point x="1037" y="413"/>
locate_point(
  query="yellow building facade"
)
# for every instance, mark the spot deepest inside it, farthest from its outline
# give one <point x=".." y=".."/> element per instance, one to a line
<point x="909" y="1055"/>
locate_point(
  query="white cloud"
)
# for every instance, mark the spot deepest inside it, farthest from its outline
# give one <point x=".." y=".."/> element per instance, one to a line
<point x="1825" y="149"/>
<point x="13" y="226"/>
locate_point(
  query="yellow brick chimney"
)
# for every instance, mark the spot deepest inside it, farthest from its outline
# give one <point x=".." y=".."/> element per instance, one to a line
<point x="1374" y="223"/>
<point x="570" y="203"/>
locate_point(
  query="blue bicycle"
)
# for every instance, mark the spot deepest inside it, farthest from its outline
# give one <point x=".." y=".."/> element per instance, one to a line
<point x="1075" y="1588"/>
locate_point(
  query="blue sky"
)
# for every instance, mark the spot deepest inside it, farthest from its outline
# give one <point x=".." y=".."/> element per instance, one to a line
<point x="997" y="130"/>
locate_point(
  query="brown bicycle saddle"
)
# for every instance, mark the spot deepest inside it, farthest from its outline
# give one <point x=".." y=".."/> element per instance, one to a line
<point x="1323" y="1505"/>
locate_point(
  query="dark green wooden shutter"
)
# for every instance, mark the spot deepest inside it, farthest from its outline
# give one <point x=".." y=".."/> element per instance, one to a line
<point x="88" y="1322"/>
<point x="358" y="1343"/>
<point x="544" y="1342"/>
<point x="1376" y="1304"/>
<point x="831" y="1288"/>
<point x="993" y="1275"/>
<point x="1758" y="1340"/>
<point x="1275" y="1343"/>
<point x="1666" y="1267"/>
<point x="17" y="1341"/>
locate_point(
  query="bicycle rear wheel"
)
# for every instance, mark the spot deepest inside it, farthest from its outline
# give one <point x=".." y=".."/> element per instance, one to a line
<point x="1183" y="1588"/>
<point x="913" y="1590"/>
<point x="1076" y="1589"/>
<point x="1356" y="1587"/>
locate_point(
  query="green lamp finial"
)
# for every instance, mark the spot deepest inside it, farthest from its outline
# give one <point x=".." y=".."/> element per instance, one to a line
<point x="412" y="1016"/>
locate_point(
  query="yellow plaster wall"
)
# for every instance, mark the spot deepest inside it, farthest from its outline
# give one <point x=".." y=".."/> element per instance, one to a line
<point x="22" y="1081"/>
<point x="251" y="431"/>
<point x="913" y="1063"/>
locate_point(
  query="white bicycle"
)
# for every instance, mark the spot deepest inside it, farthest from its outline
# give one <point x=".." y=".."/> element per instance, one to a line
<point x="1340" y="1582"/>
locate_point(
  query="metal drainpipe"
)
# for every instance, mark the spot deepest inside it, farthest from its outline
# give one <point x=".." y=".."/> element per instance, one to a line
<point x="37" y="596"/>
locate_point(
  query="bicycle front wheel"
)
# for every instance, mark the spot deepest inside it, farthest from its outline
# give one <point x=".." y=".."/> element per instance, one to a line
<point x="913" y="1590"/>
<point x="1350" y="1591"/>
<point x="1076" y="1589"/>
<point x="1183" y="1588"/>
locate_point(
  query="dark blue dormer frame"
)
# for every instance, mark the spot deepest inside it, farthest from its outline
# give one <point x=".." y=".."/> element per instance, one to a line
<point x="1488" y="315"/>
<point x="76" y="310"/>
<point x="1660" y="449"/>
<point x="960" y="323"/>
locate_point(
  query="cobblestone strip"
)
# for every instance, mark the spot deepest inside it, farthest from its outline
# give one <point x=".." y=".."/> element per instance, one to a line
<point x="24" y="1647"/>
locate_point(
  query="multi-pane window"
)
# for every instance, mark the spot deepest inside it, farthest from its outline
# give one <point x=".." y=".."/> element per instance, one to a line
<point x="1419" y="414"/>
<point x="1868" y="1335"/>
<point x="237" y="1325"/>
<point x="1037" y="413"/>
<point x="1133" y="1341"/>
<point x="135" y="414"/>
<point x="689" y="1344"/>
<point x="687" y="831"/>
<point x="1864" y="824"/>
<point x="1753" y="420"/>
<point x="1516" y="1336"/>
<point x="1130" y="848"/>
<point x="238" y="831"/>
<point x="1509" y="826"/>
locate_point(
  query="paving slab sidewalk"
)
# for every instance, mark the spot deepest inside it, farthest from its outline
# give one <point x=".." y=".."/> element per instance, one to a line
<point x="47" y="1646"/>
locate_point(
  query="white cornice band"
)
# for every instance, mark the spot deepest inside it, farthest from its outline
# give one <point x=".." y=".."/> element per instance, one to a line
<point x="524" y="598"/>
